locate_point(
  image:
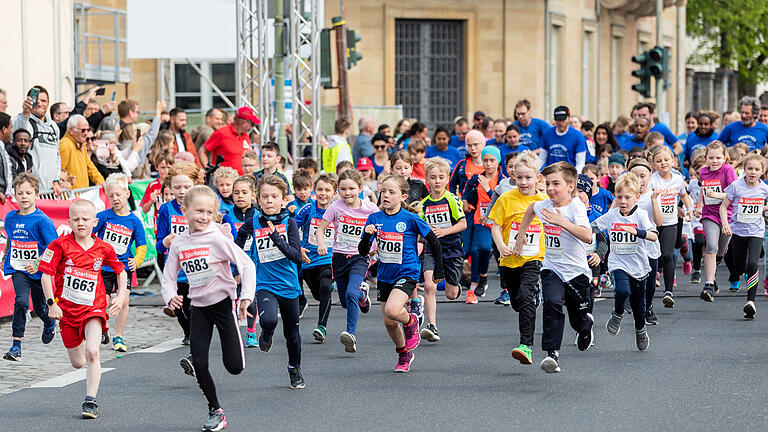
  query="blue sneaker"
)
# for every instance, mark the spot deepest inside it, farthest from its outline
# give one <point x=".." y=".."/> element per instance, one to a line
<point x="503" y="298"/>
<point x="251" y="341"/>
<point x="49" y="332"/>
<point x="13" y="354"/>
<point x="735" y="286"/>
<point x="319" y="333"/>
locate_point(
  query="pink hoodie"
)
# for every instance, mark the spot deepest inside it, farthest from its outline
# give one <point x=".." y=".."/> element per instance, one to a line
<point x="205" y="257"/>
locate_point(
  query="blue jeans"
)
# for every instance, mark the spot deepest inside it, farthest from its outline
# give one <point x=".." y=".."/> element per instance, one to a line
<point x="625" y="286"/>
<point x="348" y="273"/>
<point x="24" y="286"/>
<point x="479" y="247"/>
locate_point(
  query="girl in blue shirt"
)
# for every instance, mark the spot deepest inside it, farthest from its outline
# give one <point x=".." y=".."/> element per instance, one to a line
<point x="396" y="229"/>
<point x="243" y="194"/>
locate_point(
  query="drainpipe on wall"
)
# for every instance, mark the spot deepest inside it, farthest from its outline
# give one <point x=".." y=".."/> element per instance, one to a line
<point x="57" y="49"/>
<point x="547" y="73"/>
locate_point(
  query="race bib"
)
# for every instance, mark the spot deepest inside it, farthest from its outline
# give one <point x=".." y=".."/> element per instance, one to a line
<point x="178" y="224"/>
<point x="265" y="248"/>
<point x="328" y="235"/>
<point x="622" y="242"/>
<point x="194" y="262"/>
<point x="553" y="247"/>
<point x="668" y="209"/>
<point x="390" y="247"/>
<point x="532" y="237"/>
<point x="118" y="236"/>
<point x="712" y="186"/>
<point x="350" y="231"/>
<point x="22" y="253"/>
<point x="749" y="210"/>
<point x="80" y="286"/>
<point x="592" y="246"/>
<point x="438" y="216"/>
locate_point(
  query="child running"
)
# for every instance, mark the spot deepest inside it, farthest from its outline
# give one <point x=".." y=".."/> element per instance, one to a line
<point x="396" y="229"/>
<point x="565" y="274"/>
<point x="223" y="179"/>
<point x="348" y="216"/>
<point x="628" y="260"/>
<point x="748" y="193"/>
<point x="205" y="252"/>
<point x="153" y="196"/>
<point x="318" y="273"/>
<point x="29" y="232"/>
<point x="276" y="251"/>
<point x="121" y="229"/>
<point x="441" y="210"/>
<point x="74" y="291"/>
<point x="669" y="186"/>
<point x="520" y="272"/>
<point x="715" y="177"/>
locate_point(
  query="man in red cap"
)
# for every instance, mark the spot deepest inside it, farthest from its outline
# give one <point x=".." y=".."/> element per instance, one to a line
<point x="230" y="141"/>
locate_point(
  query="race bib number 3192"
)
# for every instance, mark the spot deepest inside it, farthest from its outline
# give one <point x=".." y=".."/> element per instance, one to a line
<point x="22" y="253"/>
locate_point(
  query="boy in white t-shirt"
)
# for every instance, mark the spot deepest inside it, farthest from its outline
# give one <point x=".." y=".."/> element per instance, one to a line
<point x="565" y="275"/>
<point x="628" y="225"/>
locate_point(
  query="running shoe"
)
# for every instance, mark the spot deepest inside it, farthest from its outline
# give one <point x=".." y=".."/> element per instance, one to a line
<point x="365" y="303"/>
<point x="765" y="286"/>
<point x="586" y="337"/>
<point x="349" y="341"/>
<point x="170" y="312"/>
<point x="13" y="354"/>
<point x="297" y="381"/>
<point x="417" y="308"/>
<point x="471" y="297"/>
<point x="411" y="332"/>
<point x="523" y="354"/>
<point x="613" y="326"/>
<point x="735" y="286"/>
<point x="185" y="340"/>
<point x="90" y="409"/>
<point x="216" y="421"/>
<point x="707" y="294"/>
<point x="251" y="340"/>
<point x="550" y="363"/>
<point x="302" y="305"/>
<point x="598" y="289"/>
<point x="686" y="268"/>
<point x="696" y="277"/>
<point x="503" y="298"/>
<point x="404" y="360"/>
<point x="749" y="310"/>
<point x="650" y="317"/>
<point x="118" y="344"/>
<point x="642" y="340"/>
<point x="105" y="338"/>
<point x="627" y="307"/>
<point x="49" y="332"/>
<point x="265" y="342"/>
<point x="186" y="364"/>
<point x="668" y="300"/>
<point x="605" y="281"/>
<point x="319" y="333"/>
<point x="430" y="333"/>
<point x="717" y="288"/>
<point x="482" y="285"/>
<point x="674" y="282"/>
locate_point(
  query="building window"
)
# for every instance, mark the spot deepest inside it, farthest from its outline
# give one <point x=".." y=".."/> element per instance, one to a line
<point x="194" y="94"/>
<point x="428" y="70"/>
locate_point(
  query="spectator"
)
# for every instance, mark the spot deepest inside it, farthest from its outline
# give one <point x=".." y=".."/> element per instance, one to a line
<point x="477" y="120"/>
<point x="18" y="151"/>
<point x="499" y="130"/>
<point x="44" y="137"/>
<point x="94" y="115"/>
<point x="642" y="129"/>
<point x="60" y="112"/>
<point x="5" y="129"/>
<point x="563" y="143"/>
<point x="128" y="111"/>
<point x="111" y="124"/>
<point x="619" y="129"/>
<point x="214" y="119"/>
<point x="603" y="135"/>
<point x="690" y="127"/>
<point x="511" y="144"/>
<point x="3" y="101"/>
<point x="701" y="137"/>
<point x="74" y="154"/>
<point x="575" y="122"/>
<point x="461" y="127"/>
<point x="183" y="139"/>
<point x="418" y="130"/>
<point x="763" y="118"/>
<point x="402" y="126"/>
<point x="441" y="148"/>
<point x="134" y="145"/>
<point x="383" y="129"/>
<point x="337" y="148"/>
<point x="363" y="145"/>
<point x="231" y="141"/>
<point x="91" y="107"/>
<point x="646" y="110"/>
<point x="747" y="131"/>
<point x="6" y="175"/>
<point x="111" y="161"/>
<point x="380" y="159"/>
<point x="531" y="128"/>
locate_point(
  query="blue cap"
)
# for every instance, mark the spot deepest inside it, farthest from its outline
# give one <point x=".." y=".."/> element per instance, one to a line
<point x="585" y="184"/>
<point x="493" y="151"/>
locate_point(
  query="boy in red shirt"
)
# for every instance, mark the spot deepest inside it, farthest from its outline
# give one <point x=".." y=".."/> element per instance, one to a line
<point x="74" y="291"/>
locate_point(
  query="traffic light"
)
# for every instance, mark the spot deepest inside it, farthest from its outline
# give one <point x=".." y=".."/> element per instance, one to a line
<point x="325" y="59"/>
<point x="655" y="62"/>
<point x="353" y="56"/>
<point x="644" y="73"/>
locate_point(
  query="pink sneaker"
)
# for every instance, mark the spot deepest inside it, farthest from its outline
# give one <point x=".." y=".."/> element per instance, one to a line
<point x="412" y="337"/>
<point x="765" y="286"/>
<point x="675" y="282"/>
<point x="404" y="362"/>
<point x="687" y="267"/>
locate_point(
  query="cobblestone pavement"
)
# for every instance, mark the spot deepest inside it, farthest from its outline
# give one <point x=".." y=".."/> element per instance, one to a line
<point x="147" y="326"/>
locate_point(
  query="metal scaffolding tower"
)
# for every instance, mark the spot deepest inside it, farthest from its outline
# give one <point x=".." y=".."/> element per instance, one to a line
<point x="253" y="71"/>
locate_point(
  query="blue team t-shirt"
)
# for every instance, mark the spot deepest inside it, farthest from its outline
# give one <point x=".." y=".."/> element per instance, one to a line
<point x="121" y="232"/>
<point x="308" y="219"/>
<point x="669" y="138"/>
<point x="695" y="142"/>
<point x="601" y="202"/>
<point x="458" y="144"/>
<point x="531" y="136"/>
<point x="625" y="141"/>
<point x="397" y="244"/>
<point x="505" y="150"/>
<point x="450" y="154"/>
<point x="28" y="237"/>
<point x="563" y="147"/>
<point x="755" y="137"/>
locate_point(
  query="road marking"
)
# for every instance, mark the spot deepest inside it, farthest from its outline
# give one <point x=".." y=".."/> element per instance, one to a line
<point x="67" y="378"/>
<point x="600" y="299"/>
<point x="161" y="347"/>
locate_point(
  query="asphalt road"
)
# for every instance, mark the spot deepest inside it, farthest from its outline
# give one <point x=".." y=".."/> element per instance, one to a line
<point x="704" y="370"/>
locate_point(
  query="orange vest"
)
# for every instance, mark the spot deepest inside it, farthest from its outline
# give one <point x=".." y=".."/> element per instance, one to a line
<point x="483" y="199"/>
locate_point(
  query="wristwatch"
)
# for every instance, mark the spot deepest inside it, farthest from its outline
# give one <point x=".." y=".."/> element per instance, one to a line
<point x="50" y="302"/>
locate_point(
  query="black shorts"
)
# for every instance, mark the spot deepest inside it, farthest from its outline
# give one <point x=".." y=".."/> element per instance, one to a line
<point x="110" y="280"/>
<point x="451" y="267"/>
<point x="405" y="285"/>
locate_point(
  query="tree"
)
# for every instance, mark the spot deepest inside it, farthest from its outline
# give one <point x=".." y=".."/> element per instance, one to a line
<point x="732" y="34"/>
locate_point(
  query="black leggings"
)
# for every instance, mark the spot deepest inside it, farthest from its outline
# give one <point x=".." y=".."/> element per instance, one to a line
<point x="699" y="241"/>
<point x="183" y="314"/>
<point x="203" y="319"/>
<point x="319" y="280"/>
<point x="667" y="240"/>
<point x="650" y="283"/>
<point x="746" y="254"/>
<point x="268" y="303"/>
<point x="730" y="263"/>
